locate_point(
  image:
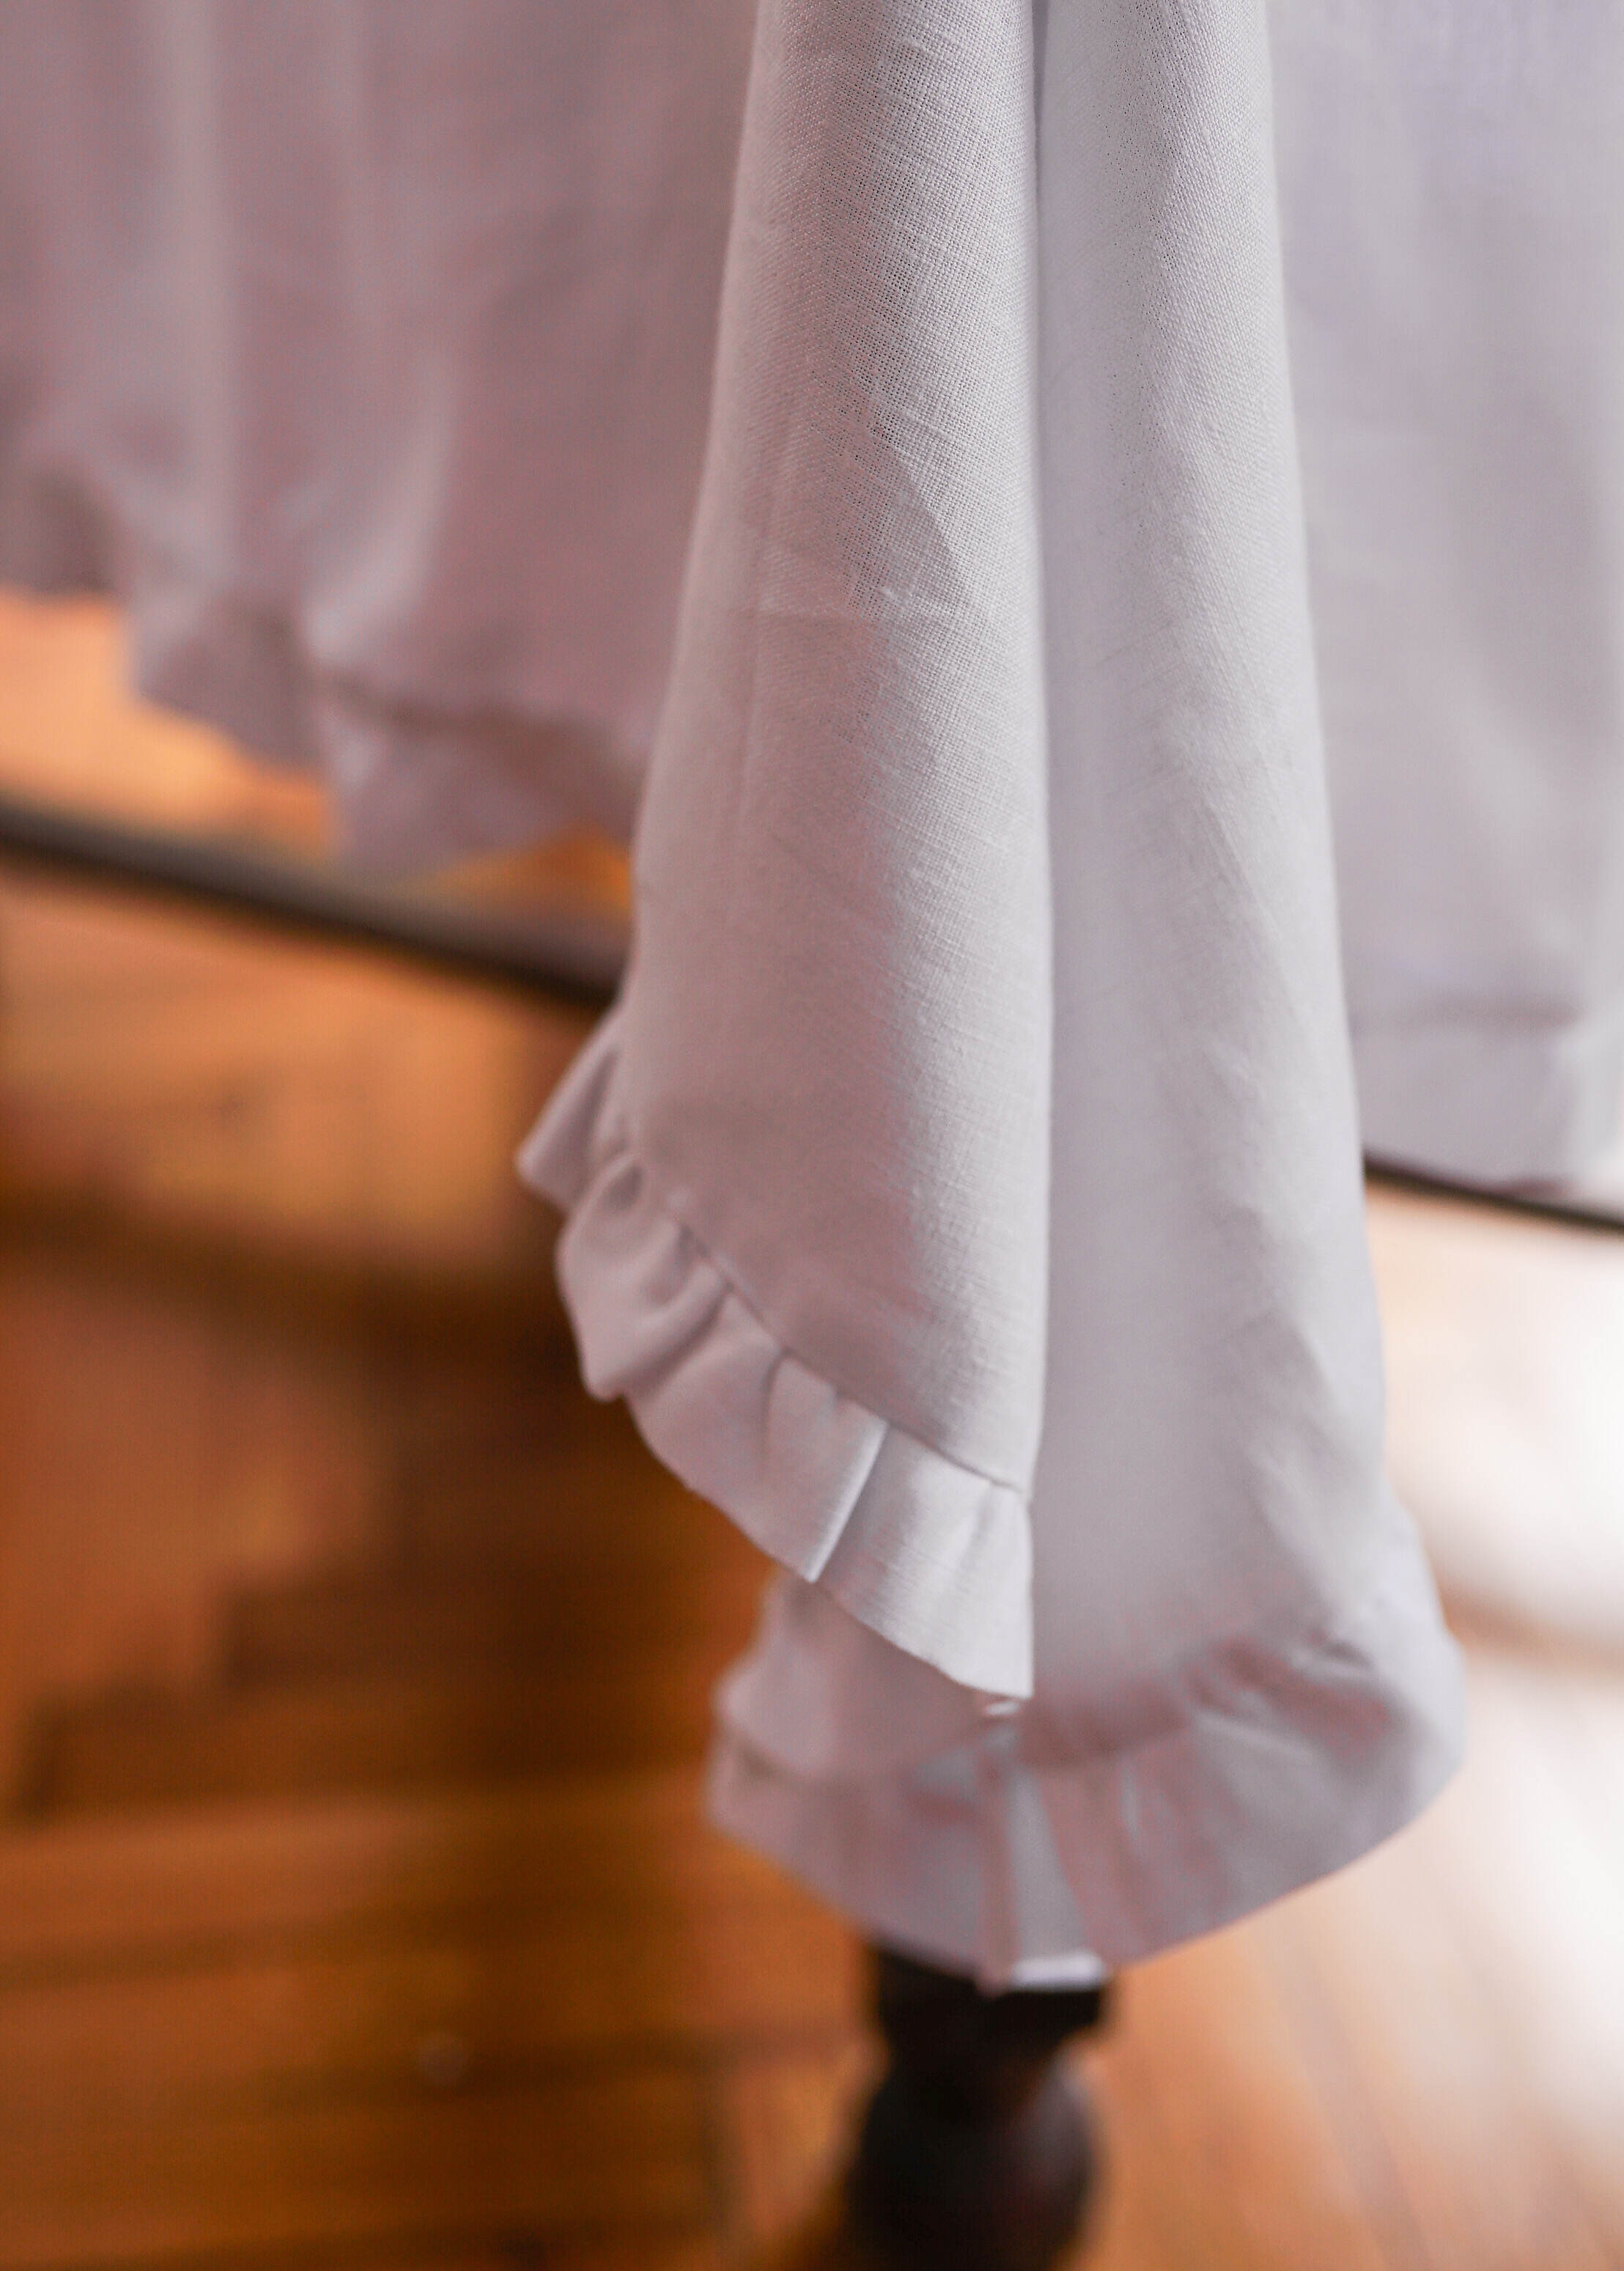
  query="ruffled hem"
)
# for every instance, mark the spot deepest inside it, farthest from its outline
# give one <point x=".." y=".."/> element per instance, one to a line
<point x="933" y="1557"/>
<point x="1277" y="1763"/>
<point x="952" y="1860"/>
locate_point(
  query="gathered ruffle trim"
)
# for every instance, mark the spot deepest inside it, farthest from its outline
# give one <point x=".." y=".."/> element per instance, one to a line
<point x="930" y="1555"/>
<point x="1261" y="1767"/>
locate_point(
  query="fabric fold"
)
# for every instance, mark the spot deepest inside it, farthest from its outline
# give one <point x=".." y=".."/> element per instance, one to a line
<point x="924" y="1550"/>
<point x="1242" y="1775"/>
<point x="837" y="1029"/>
<point x="983" y="1063"/>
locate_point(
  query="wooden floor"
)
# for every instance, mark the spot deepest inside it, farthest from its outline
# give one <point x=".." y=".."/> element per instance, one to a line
<point x="356" y="1909"/>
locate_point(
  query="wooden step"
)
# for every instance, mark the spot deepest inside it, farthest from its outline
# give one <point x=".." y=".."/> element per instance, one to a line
<point x="469" y="2002"/>
<point x="584" y="1707"/>
<point x="638" y="2251"/>
<point x="522" y="1470"/>
<point x="95" y="1893"/>
<point x="576" y="1484"/>
<point x="432" y="1619"/>
<point x="624" y="2147"/>
<point x="623" y="1928"/>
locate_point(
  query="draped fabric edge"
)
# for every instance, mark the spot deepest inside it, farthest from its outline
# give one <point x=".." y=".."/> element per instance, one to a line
<point x="1274" y="1765"/>
<point x="416" y="781"/>
<point x="1494" y="1098"/>
<point x="933" y="1557"/>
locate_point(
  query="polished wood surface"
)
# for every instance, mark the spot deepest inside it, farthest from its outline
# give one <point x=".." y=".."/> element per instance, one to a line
<point x="356" y="1905"/>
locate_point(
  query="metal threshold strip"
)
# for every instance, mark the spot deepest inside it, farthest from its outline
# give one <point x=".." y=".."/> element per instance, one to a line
<point x="562" y="954"/>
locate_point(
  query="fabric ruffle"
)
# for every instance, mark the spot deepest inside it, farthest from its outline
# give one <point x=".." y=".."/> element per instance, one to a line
<point x="930" y="1555"/>
<point x="951" y="1859"/>
<point x="1255" y="1770"/>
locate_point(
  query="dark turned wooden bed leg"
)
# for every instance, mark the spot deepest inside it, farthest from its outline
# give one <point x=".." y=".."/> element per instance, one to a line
<point x="975" y="2152"/>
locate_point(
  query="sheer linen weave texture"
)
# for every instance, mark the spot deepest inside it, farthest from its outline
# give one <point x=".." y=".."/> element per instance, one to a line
<point x="965" y="1192"/>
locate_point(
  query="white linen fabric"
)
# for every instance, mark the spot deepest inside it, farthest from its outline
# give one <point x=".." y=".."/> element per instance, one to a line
<point x="1125" y="419"/>
<point x="915" y="1127"/>
<point x="364" y="347"/>
<point x="1452" y="188"/>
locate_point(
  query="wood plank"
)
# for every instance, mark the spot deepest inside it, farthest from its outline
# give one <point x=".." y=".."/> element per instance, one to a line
<point x="1535" y="1878"/>
<point x="649" y="2249"/>
<point x="198" y="1075"/>
<point x="160" y="1449"/>
<point x="592" y="1710"/>
<point x="1505" y="1352"/>
<point x="644" y="2251"/>
<point x="491" y="1999"/>
<point x="1140" y="2218"/>
<point x="484" y="1462"/>
<point x="98" y="1894"/>
<point x="459" y="1616"/>
<point x="621" y="2147"/>
<point x="1374" y="1966"/>
<point x="1248" y="2169"/>
<point x="787" y="2120"/>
